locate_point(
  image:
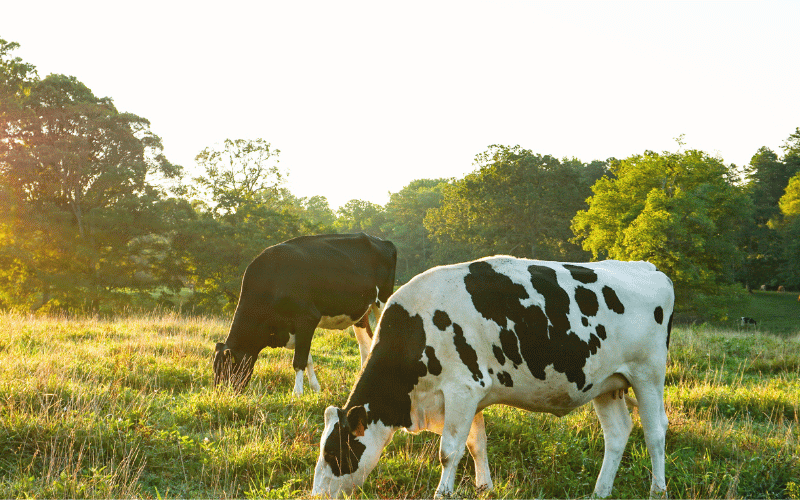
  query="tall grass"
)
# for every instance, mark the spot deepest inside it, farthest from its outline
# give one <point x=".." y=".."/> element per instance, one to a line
<point x="94" y="408"/>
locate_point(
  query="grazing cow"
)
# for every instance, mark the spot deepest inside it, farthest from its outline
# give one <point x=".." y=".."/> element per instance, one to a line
<point x="541" y="336"/>
<point x="781" y="289"/>
<point x="290" y="289"/>
<point x="745" y="321"/>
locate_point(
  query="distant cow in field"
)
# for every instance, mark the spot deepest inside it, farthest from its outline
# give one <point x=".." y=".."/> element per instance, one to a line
<point x="290" y="289"/>
<point x="541" y="336"/>
<point x="781" y="289"/>
<point x="745" y="321"/>
<point x="763" y="288"/>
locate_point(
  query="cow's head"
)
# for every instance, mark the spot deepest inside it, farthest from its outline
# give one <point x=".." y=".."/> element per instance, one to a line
<point x="349" y="449"/>
<point x="232" y="367"/>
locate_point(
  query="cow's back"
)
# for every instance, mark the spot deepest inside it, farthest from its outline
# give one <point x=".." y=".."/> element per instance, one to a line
<point x="538" y="335"/>
<point x="323" y="268"/>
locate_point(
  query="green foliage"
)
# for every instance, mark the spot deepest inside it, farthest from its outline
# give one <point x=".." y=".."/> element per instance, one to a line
<point x="516" y="203"/>
<point x="358" y="216"/>
<point x="790" y="201"/>
<point x="769" y="242"/>
<point x="111" y="409"/>
<point x="76" y="177"/>
<point x="237" y="175"/>
<point x="405" y="216"/>
<point x="16" y="76"/>
<point x="679" y="211"/>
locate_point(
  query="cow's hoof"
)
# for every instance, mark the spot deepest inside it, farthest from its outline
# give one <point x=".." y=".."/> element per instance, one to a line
<point x="484" y="491"/>
<point x="658" y="493"/>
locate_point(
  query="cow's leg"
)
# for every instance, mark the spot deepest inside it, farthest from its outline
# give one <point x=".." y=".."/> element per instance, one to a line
<point x="312" y="377"/>
<point x="616" y="422"/>
<point x="650" y="395"/>
<point x="476" y="444"/>
<point x="458" y="416"/>
<point x="304" y="331"/>
<point x="363" y="336"/>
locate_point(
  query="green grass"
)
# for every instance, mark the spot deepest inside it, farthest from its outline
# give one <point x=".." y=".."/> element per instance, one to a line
<point x="96" y="409"/>
<point x="775" y="312"/>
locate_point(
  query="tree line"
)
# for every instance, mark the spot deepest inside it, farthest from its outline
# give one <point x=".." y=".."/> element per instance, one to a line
<point x="95" y="218"/>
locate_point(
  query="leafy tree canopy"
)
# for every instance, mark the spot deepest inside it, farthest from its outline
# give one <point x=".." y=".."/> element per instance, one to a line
<point x="405" y="216"/>
<point x="361" y="216"/>
<point x="680" y="211"/>
<point x="517" y="203"/>
<point x="76" y="173"/>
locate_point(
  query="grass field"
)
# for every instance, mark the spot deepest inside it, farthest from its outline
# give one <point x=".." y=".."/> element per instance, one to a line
<point x="97" y="409"/>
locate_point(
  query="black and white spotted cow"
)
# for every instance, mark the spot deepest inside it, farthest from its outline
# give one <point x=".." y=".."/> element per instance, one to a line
<point x="745" y="321"/>
<point x="542" y="336"/>
<point x="326" y="281"/>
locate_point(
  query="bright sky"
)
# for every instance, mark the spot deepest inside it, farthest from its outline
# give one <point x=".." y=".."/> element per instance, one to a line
<point x="364" y="97"/>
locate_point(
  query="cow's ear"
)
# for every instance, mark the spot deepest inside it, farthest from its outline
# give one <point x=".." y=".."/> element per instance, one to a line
<point x="331" y="412"/>
<point x="220" y="346"/>
<point x="357" y="420"/>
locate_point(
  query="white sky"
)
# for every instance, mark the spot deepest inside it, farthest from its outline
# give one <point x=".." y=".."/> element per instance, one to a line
<point x="364" y="97"/>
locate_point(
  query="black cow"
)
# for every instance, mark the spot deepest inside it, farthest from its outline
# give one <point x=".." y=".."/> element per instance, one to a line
<point x="326" y="281"/>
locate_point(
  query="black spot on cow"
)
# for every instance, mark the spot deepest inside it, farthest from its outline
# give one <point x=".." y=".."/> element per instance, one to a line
<point x="544" y="336"/>
<point x="505" y="379"/>
<point x="612" y="301"/>
<point x="498" y="354"/>
<point x="509" y="343"/>
<point x="556" y="299"/>
<point x="669" y="328"/>
<point x="441" y="320"/>
<point x="342" y="451"/>
<point x="587" y="301"/>
<point x="465" y="351"/>
<point x="491" y="371"/>
<point x="434" y="366"/>
<point x="582" y="274"/>
<point x="585" y="321"/>
<point x="588" y="387"/>
<point x="658" y="314"/>
<point x="386" y="386"/>
<point x="601" y="331"/>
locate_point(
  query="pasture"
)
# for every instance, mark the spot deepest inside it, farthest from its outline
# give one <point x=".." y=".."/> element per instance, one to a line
<point x="93" y="408"/>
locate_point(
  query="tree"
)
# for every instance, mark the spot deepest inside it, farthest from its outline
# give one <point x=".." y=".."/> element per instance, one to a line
<point x="316" y="211"/>
<point x="517" y="203"/>
<point x="361" y="216"/>
<point x="679" y="211"/>
<point x="405" y="216"/>
<point x="242" y="209"/>
<point x="790" y="201"/>
<point x="789" y="231"/>
<point x="767" y="176"/>
<point x="241" y="172"/>
<point x="77" y="176"/>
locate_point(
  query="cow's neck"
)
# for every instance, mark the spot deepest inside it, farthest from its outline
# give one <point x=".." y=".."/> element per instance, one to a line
<point x="386" y="400"/>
